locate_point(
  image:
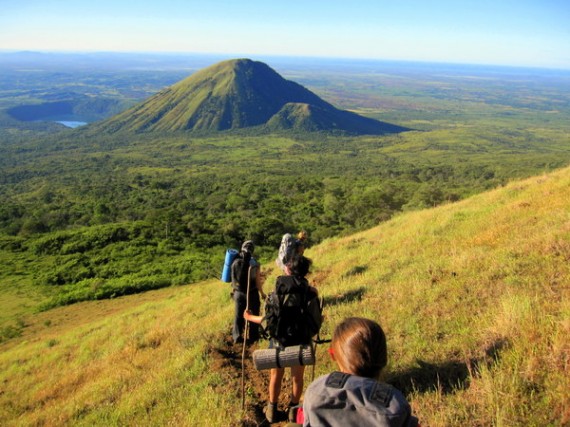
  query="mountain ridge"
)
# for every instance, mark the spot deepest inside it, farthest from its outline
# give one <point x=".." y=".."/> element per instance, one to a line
<point x="237" y="94"/>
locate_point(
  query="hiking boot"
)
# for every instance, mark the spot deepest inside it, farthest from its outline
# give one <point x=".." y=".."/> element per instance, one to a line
<point x="271" y="413"/>
<point x="292" y="412"/>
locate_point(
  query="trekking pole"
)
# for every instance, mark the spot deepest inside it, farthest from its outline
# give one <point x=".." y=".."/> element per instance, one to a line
<point x="245" y="337"/>
<point x="318" y="340"/>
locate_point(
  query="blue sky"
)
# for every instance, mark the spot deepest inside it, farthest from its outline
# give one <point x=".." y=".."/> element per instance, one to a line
<point x="506" y="32"/>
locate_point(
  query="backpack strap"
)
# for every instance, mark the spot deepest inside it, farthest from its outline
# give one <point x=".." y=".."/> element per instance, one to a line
<point x="337" y="379"/>
<point x="382" y="394"/>
<point x="277" y="358"/>
<point x="300" y="355"/>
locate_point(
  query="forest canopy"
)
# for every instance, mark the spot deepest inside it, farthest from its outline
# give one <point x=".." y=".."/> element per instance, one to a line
<point x="87" y="215"/>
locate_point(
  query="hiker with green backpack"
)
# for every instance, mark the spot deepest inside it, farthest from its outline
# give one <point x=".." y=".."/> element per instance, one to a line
<point x="292" y="318"/>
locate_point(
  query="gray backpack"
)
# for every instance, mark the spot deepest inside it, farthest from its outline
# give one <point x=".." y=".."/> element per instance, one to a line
<point x="287" y="250"/>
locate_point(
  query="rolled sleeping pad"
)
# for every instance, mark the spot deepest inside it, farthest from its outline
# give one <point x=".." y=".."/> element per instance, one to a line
<point x="296" y="355"/>
<point x="231" y="254"/>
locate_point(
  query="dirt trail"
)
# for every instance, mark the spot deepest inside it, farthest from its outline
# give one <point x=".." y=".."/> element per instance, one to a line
<point x="226" y="358"/>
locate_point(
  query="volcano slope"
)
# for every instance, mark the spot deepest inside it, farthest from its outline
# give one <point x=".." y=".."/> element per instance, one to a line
<point x="238" y="94"/>
<point x="474" y="297"/>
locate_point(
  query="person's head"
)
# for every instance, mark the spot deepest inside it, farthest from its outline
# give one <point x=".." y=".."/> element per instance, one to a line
<point x="359" y="347"/>
<point x="248" y="247"/>
<point x="302" y="235"/>
<point x="300" y="266"/>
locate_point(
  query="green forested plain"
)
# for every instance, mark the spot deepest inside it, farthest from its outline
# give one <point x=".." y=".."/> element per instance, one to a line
<point x="86" y="215"/>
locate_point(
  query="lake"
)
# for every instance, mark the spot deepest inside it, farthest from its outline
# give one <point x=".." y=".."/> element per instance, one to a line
<point x="71" y="124"/>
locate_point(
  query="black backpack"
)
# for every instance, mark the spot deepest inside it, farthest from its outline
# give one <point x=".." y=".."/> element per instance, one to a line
<point x="293" y="313"/>
<point x="240" y="271"/>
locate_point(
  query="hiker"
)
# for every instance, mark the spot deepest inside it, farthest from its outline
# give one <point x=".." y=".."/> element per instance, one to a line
<point x="294" y="280"/>
<point x="291" y="248"/>
<point x="244" y="267"/>
<point x="302" y="241"/>
<point x="354" y="396"/>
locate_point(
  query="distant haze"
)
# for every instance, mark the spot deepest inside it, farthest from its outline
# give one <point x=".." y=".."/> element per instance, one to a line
<point x="531" y="33"/>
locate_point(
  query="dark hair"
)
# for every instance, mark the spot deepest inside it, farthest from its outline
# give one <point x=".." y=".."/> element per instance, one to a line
<point x="300" y="266"/>
<point x="359" y="346"/>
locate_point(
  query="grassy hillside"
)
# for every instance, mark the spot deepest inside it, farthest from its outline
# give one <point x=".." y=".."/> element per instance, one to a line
<point x="474" y="297"/>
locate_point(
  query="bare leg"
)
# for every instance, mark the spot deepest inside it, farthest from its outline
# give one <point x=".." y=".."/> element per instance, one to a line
<point x="275" y="379"/>
<point x="297" y="373"/>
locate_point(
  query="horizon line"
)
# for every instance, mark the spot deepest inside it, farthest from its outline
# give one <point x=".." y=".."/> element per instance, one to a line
<point x="289" y="56"/>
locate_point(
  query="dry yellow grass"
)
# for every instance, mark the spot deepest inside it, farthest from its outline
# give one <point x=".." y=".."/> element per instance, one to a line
<point x="474" y="297"/>
<point x="126" y="361"/>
